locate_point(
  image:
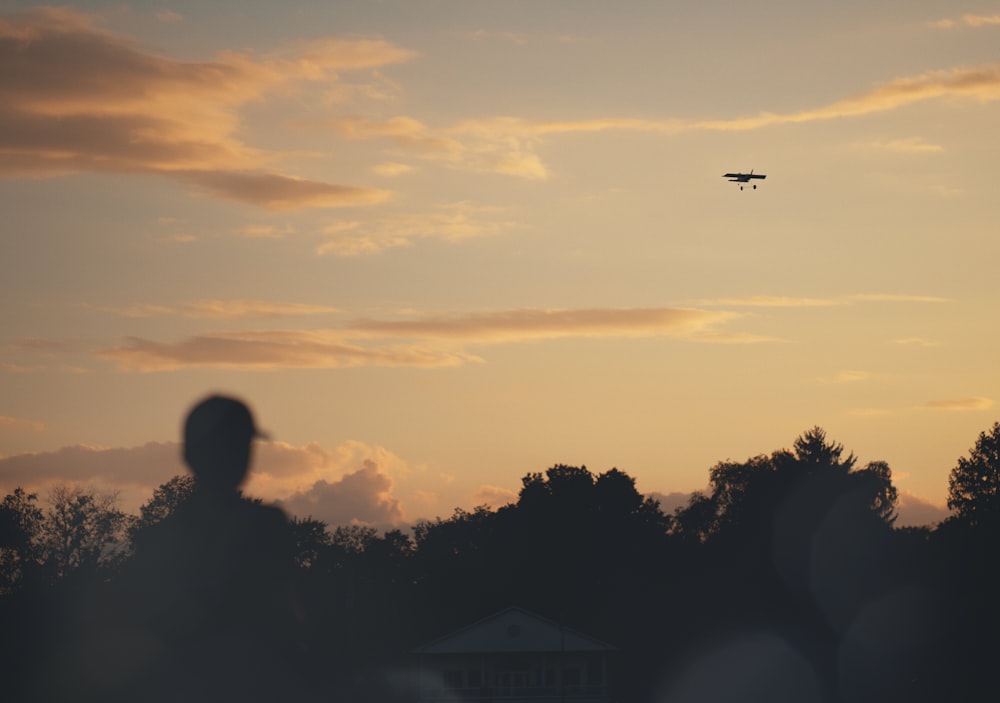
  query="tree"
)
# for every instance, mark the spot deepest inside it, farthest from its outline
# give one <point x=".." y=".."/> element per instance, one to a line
<point x="311" y="538"/>
<point x="82" y="530"/>
<point x="166" y="499"/>
<point x="20" y="526"/>
<point x="974" y="483"/>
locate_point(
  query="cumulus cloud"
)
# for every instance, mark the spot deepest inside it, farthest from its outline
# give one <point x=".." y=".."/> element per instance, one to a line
<point x="350" y="483"/>
<point x="78" y="98"/>
<point x="494" y="496"/>
<point x="227" y="309"/>
<point x="959" y="404"/>
<point x="271" y="349"/>
<point x="361" y="497"/>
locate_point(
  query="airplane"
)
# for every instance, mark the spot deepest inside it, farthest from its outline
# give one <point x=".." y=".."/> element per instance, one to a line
<point x="743" y="177"/>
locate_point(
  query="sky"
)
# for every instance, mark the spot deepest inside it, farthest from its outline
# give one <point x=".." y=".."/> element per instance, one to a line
<point x="439" y="244"/>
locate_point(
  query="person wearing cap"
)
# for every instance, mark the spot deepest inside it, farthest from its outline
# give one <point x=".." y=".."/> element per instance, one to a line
<point x="211" y="586"/>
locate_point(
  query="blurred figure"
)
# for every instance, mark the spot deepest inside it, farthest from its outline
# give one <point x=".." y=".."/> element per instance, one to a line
<point x="210" y="589"/>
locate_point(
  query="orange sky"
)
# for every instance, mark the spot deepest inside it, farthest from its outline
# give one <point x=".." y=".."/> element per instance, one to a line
<point x="438" y="245"/>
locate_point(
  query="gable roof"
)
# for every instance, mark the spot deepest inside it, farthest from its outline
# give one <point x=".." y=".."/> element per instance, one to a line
<point x="513" y="630"/>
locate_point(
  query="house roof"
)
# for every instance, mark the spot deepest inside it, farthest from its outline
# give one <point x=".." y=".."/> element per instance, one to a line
<point x="513" y="630"/>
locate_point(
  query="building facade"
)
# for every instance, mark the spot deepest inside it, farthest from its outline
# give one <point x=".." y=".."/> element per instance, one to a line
<point x="513" y="656"/>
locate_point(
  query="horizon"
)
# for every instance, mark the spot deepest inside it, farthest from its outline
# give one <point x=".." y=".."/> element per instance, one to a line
<point x="439" y="245"/>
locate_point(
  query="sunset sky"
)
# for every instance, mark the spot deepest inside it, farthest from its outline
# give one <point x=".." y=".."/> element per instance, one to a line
<point x="438" y="244"/>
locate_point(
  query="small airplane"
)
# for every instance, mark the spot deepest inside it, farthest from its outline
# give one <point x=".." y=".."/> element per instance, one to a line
<point x="743" y="177"/>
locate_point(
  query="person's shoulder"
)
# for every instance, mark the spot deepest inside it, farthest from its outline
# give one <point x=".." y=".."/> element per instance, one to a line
<point x="269" y="518"/>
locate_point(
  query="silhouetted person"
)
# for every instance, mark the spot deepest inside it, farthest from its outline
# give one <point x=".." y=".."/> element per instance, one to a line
<point x="210" y="589"/>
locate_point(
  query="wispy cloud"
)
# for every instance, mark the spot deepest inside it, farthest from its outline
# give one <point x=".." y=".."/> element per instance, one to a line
<point x="228" y="309"/>
<point x="78" y="98"/>
<point x="269" y="350"/>
<point x="773" y="301"/>
<point x="532" y="324"/>
<point x="916" y="342"/>
<point x="453" y="222"/>
<point x="391" y="169"/>
<point x="959" y="404"/>
<point x="17" y="423"/>
<point x="778" y="301"/>
<point x="433" y="341"/>
<point x="510" y="145"/>
<point x="910" y="145"/>
<point x="966" y="21"/>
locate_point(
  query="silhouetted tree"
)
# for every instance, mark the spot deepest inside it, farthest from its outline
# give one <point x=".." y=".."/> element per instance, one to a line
<point x="166" y="499"/>
<point x="311" y="538"/>
<point x="20" y="532"/>
<point x="82" y="529"/>
<point x="974" y="483"/>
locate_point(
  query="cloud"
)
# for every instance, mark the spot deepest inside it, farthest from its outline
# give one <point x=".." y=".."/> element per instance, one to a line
<point x="959" y="404"/>
<point x="493" y="496"/>
<point x="277" y="192"/>
<point x="669" y="502"/>
<point x="967" y="20"/>
<point x="228" y="310"/>
<point x="77" y="98"/>
<point x="915" y="511"/>
<point x="981" y="20"/>
<point x="271" y="349"/>
<point x="350" y="483"/>
<point x="453" y="222"/>
<point x="773" y="301"/>
<point x="391" y="169"/>
<point x="509" y="145"/>
<point x="897" y="298"/>
<point x="19" y="424"/>
<point x="362" y="497"/>
<point x="530" y="324"/>
<point x="911" y="145"/>
<point x="134" y="470"/>
<point x="917" y="342"/>
<point x="428" y="342"/>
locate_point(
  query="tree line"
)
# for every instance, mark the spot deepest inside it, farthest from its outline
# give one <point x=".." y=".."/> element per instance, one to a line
<point x="791" y="557"/>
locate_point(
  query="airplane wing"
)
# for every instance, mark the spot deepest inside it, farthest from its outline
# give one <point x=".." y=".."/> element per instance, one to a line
<point x="755" y="175"/>
<point x="732" y="175"/>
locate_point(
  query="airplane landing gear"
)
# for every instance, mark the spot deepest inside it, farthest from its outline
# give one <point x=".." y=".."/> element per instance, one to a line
<point x="755" y="186"/>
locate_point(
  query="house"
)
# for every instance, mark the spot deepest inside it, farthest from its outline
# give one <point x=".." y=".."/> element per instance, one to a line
<point x="513" y="656"/>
